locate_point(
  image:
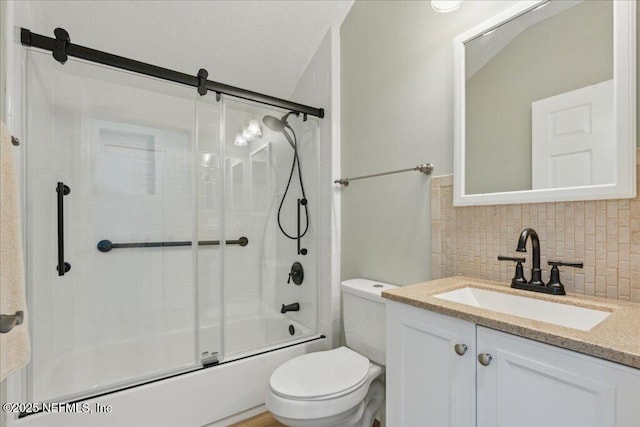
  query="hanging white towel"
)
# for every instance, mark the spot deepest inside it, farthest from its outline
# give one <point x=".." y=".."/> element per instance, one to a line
<point x="15" y="348"/>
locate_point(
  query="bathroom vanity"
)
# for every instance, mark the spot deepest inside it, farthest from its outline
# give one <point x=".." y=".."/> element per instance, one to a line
<point x="458" y="358"/>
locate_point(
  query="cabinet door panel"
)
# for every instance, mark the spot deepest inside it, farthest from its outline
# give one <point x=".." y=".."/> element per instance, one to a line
<point x="428" y="383"/>
<point x="532" y="384"/>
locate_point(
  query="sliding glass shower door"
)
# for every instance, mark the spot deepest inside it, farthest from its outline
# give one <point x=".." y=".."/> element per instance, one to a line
<point x="165" y="230"/>
<point x="110" y="224"/>
<point x="263" y="200"/>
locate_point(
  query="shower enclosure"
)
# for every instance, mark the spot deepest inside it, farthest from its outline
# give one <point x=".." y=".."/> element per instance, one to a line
<point x="153" y="245"/>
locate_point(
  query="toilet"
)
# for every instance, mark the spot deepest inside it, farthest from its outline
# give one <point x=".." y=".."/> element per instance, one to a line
<point x="339" y="387"/>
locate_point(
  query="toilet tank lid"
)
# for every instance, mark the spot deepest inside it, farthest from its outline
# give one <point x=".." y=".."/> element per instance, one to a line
<point x="366" y="288"/>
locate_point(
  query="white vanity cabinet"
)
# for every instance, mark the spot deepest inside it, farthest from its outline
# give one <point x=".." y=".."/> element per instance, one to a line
<point x="528" y="383"/>
<point x="501" y="381"/>
<point x="428" y="383"/>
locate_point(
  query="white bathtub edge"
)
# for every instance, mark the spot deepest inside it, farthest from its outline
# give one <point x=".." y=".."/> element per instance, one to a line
<point x="194" y="399"/>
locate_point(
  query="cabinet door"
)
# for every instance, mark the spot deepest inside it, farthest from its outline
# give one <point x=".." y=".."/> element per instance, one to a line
<point x="528" y="383"/>
<point x="428" y="383"/>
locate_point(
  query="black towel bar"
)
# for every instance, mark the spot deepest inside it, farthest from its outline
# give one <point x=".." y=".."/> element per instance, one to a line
<point x="107" y="245"/>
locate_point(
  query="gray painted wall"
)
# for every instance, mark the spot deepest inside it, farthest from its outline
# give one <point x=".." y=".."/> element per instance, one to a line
<point x="397" y="102"/>
<point x="397" y="112"/>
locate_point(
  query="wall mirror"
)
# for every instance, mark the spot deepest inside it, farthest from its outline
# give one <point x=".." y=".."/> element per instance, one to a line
<point x="545" y="104"/>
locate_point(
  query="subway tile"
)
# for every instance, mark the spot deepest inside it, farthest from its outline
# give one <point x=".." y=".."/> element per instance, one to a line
<point x="634" y="208"/>
<point x="590" y="209"/>
<point x="624" y="217"/>
<point x="579" y="283"/>
<point x="624" y="235"/>
<point x="623" y="252"/>
<point x="635" y="280"/>
<point x="601" y="285"/>
<point x="605" y="235"/>
<point x="612" y="259"/>
<point x="624" y="271"/>
<point x="612" y="277"/>
<point x="589" y="275"/>
<point x="612" y="208"/>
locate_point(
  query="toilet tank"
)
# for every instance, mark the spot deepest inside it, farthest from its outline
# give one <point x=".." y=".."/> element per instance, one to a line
<point x="364" y="314"/>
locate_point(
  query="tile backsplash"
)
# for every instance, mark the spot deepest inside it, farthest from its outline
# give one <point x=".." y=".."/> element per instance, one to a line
<point x="604" y="234"/>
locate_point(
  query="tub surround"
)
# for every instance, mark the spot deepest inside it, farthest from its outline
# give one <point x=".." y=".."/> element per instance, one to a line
<point x="617" y="338"/>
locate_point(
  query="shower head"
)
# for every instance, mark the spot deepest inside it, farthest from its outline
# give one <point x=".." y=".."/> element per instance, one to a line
<point x="275" y="124"/>
<point x="278" y="125"/>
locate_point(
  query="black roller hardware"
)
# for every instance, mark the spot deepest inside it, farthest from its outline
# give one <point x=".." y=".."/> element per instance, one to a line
<point x="62" y="48"/>
<point x="62" y="40"/>
<point x="202" y="81"/>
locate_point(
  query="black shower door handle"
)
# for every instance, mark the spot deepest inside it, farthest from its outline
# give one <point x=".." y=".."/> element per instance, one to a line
<point x="63" y="267"/>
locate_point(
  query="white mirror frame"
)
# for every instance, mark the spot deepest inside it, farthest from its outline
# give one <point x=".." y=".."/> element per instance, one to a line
<point x="624" y="75"/>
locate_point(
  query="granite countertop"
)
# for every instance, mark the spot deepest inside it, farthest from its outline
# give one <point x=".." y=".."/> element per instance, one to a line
<point x="616" y="338"/>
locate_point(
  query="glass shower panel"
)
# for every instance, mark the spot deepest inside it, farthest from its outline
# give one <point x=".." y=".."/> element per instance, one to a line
<point x="123" y="144"/>
<point x="256" y="171"/>
<point x="208" y="189"/>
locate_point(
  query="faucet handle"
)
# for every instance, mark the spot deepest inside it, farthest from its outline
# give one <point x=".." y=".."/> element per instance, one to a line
<point x="508" y="258"/>
<point x="567" y="264"/>
<point x="554" y="275"/>
<point x="519" y="276"/>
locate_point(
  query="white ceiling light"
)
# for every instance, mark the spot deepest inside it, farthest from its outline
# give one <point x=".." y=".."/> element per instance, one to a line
<point x="444" y="6"/>
<point x="252" y="130"/>
<point x="240" y="141"/>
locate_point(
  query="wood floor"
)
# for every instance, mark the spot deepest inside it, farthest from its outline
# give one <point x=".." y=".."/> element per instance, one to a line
<point x="265" y="419"/>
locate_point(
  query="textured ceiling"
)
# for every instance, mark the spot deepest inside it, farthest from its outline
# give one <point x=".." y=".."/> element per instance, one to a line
<point x="257" y="45"/>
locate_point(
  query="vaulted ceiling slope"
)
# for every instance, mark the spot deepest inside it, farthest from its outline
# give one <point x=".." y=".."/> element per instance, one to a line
<point x="257" y="45"/>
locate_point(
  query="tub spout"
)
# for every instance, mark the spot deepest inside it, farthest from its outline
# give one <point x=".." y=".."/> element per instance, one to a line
<point x="290" y="307"/>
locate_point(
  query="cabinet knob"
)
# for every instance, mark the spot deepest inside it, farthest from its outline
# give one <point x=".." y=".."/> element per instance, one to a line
<point x="460" y="349"/>
<point x="484" y="359"/>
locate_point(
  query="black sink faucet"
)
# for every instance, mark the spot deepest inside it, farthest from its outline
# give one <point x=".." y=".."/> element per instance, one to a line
<point x="536" y="273"/>
<point x="536" y="284"/>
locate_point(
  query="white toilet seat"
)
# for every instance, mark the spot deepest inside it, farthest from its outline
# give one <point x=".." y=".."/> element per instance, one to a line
<point x="320" y="375"/>
<point x="291" y="406"/>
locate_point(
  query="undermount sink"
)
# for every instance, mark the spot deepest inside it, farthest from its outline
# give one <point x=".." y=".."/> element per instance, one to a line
<point x="566" y="315"/>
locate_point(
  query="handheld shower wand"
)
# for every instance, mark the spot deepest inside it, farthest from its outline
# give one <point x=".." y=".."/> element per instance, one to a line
<point x="281" y="126"/>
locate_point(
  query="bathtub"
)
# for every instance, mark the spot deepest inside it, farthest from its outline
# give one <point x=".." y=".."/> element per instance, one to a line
<point x="255" y="347"/>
